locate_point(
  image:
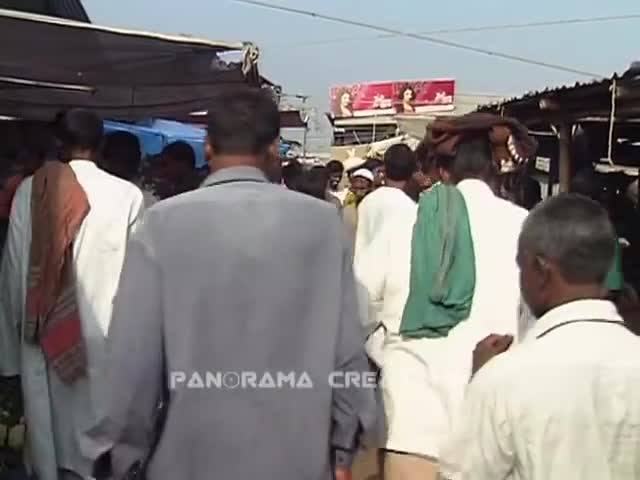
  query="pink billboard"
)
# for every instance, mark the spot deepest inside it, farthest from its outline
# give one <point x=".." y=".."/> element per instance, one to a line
<point x="388" y="98"/>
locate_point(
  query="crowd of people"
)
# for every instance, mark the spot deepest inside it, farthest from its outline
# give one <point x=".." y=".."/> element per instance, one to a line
<point x="499" y="347"/>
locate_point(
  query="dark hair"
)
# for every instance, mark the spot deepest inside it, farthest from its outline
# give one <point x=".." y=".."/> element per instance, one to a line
<point x="290" y="174"/>
<point x="401" y="94"/>
<point x="531" y="192"/>
<point x="335" y="166"/>
<point x="426" y="160"/>
<point x="404" y="89"/>
<point x="371" y="164"/>
<point x="80" y="129"/>
<point x="575" y="233"/>
<point x="313" y="182"/>
<point x="121" y="154"/>
<point x="473" y="159"/>
<point x="40" y="147"/>
<point x="338" y="99"/>
<point x="243" y="122"/>
<point x="182" y="153"/>
<point x="399" y="163"/>
<point x="588" y="183"/>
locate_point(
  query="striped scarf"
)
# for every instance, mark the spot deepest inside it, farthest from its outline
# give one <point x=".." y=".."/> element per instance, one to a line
<point x="58" y="207"/>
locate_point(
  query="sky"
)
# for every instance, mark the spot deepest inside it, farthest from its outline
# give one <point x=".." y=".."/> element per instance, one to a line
<point x="307" y="56"/>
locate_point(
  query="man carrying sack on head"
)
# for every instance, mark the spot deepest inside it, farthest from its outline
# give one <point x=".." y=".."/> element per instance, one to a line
<point x="463" y="287"/>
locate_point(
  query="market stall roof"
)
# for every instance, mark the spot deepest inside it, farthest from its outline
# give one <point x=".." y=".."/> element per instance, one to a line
<point x="288" y="118"/>
<point x="49" y="64"/>
<point x="583" y="123"/>
<point x="71" y="9"/>
<point x="577" y="103"/>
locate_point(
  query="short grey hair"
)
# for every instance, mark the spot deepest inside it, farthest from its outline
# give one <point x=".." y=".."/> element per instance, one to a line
<point x="573" y="232"/>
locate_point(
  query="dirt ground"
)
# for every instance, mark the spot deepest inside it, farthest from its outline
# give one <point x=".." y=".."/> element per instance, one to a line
<point x="365" y="465"/>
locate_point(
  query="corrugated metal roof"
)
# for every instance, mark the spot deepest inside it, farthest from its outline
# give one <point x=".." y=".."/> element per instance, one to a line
<point x="548" y="91"/>
<point x="632" y="74"/>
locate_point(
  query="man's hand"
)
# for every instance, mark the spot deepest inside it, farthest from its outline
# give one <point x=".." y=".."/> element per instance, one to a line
<point x="343" y="473"/>
<point x="488" y="348"/>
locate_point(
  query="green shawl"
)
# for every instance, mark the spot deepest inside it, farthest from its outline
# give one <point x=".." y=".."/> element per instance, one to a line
<point x="443" y="273"/>
<point x="615" y="280"/>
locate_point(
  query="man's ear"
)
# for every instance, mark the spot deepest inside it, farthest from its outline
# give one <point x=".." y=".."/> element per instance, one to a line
<point x="274" y="149"/>
<point x="544" y="270"/>
<point x="273" y="162"/>
<point x="444" y="175"/>
<point x="208" y="150"/>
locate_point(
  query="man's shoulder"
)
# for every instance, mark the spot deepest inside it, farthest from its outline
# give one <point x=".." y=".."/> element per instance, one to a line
<point x="24" y="186"/>
<point x="504" y="369"/>
<point x="525" y="369"/>
<point x="309" y="207"/>
<point x="511" y="211"/>
<point x="22" y="196"/>
<point x="383" y="195"/>
<point x="124" y="188"/>
<point x="372" y="201"/>
<point x="281" y="198"/>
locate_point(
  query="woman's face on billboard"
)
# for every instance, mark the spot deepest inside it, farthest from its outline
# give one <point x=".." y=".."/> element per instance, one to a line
<point x="345" y="99"/>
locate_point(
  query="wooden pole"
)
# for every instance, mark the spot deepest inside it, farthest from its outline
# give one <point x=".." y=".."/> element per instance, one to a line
<point x="306" y="126"/>
<point x="564" y="167"/>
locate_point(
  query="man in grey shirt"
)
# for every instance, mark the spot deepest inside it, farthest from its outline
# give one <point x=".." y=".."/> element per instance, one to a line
<point x="239" y="299"/>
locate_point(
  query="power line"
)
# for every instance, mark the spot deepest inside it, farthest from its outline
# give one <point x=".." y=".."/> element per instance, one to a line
<point x="417" y="36"/>
<point x="486" y="28"/>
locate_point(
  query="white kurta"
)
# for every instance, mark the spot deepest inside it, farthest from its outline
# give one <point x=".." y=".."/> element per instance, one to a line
<point x="382" y="263"/>
<point x="58" y="415"/>
<point x="424" y="379"/>
<point x="564" y="404"/>
<point x="382" y="266"/>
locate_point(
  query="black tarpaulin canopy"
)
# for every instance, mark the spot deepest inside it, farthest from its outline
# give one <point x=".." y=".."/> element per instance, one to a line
<point x="49" y="64"/>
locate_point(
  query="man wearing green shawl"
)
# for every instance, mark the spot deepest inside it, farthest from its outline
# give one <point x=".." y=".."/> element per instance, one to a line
<point x="615" y="280"/>
<point x="443" y="272"/>
<point x="463" y="287"/>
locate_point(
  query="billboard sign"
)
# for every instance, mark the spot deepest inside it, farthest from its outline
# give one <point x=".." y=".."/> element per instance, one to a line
<point x="388" y="98"/>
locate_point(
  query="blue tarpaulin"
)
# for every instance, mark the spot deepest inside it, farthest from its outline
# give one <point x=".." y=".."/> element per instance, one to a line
<point x="154" y="135"/>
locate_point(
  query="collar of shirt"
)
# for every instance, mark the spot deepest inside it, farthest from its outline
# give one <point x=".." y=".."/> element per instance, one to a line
<point x="81" y="163"/>
<point x="476" y="189"/>
<point x="392" y="191"/>
<point x="577" y="310"/>
<point x="384" y="195"/>
<point x="235" y="173"/>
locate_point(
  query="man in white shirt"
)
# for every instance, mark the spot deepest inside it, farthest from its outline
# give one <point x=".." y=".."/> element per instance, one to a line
<point x="565" y="403"/>
<point x="431" y="372"/>
<point x="59" y="410"/>
<point x="382" y="256"/>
